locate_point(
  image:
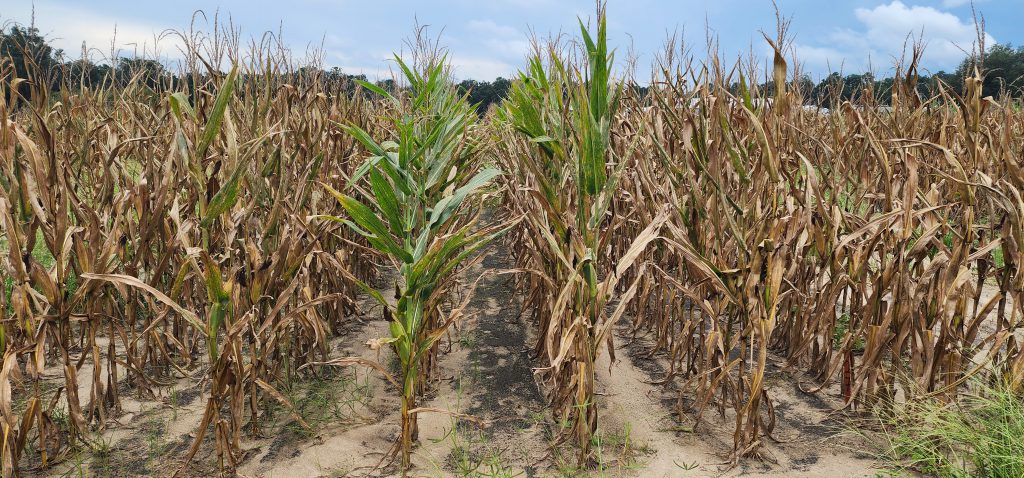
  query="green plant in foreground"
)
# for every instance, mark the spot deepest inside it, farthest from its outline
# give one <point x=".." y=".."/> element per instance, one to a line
<point x="982" y="434"/>
<point x="566" y="144"/>
<point x="416" y="214"/>
<point x="566" y="111"/>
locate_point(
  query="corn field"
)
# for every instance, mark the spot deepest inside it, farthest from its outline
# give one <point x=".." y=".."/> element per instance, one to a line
<point x="223" y="226"/>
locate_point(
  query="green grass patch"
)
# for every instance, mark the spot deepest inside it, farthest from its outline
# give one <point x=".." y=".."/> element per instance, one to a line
<point x="981" y="434"/>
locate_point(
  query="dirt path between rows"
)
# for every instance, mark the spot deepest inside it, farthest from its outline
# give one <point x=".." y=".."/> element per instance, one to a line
<point x="808" y="441"/>
<point x="485" y="372"/>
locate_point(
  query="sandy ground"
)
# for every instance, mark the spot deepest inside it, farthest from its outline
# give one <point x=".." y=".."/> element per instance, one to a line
<point x="485" y="372"/>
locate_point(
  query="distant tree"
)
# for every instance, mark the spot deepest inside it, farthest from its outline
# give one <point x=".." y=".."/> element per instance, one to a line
<point x="767" y="89"/>
<point x="641" y="91"/>
<point x="31" y="57"/>
<point x="144" y="71"/>
<point x="835" y="89"/>
<point x="483" y="94"/>
<point x="29" y="53"/>
<point x="803" y="84"/>
<point x="883" y="90"/>
<point x="828" y="92"/>
<point x="950" y="80"/>
<point x="388" y="85"/>
<point x="1003" y="69"/>
<point x="855" y="86"/>
<point x="500" y="87"/>
<point x="79" y="73"/>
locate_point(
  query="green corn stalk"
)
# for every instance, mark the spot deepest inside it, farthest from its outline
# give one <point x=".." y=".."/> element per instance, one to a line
<point x="567" y="114"/>
<point x="419" y="185"/>
<point x="218" y="292"/>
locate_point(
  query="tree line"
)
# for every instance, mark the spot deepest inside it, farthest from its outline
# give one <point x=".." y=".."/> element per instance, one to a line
<point x="24" y="47"/>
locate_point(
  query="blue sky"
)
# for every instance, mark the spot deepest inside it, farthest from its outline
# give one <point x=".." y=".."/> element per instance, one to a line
<point x="487" y="39"/>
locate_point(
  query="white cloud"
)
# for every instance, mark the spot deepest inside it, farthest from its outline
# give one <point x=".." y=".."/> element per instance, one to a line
<point x="68" y="27"/>
<point x="490" y="27"/>
<point x="373" y="73"/>
<point x="484" y="50"/>
<point x="884" y="31"/>
<point x="480" y="68"/>
<point x="818" y="58"/>
<point x="946" y="34"/>
<point x="502" y="40"/>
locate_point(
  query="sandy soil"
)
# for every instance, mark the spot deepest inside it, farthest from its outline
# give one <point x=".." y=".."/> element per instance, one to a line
<point x="485" y="372"/>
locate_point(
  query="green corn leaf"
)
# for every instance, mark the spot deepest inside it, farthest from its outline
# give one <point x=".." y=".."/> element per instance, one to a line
<point x="387" y="203"/>
<point x="376" y="89"/>
<point x="220" y="107"/>
<point x="447" y="205"/>
<point x="314" y="169"/>
<point x="214" y="282"/>
<point x="217" y="313"/>
<point x="272" y="164"/>
<point x="369" y="290"/>
<point x="476" y="242"/>
<point x="366" y="219"/>
<point x="364" y="138"/>
<point x="179" y="105"/>
<point x="402" y="347"/>
<point x="421" y="244"/>
<point x="412" y="77"/>
<point x="438" y="253"/>
<point x="225" y="197"/>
